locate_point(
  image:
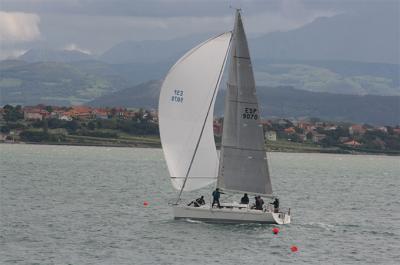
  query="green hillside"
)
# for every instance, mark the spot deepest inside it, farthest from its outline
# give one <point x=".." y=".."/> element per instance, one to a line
<point x="78" y="82"/>
<point x="53" y="83"/>
<point x="338" y="77"/>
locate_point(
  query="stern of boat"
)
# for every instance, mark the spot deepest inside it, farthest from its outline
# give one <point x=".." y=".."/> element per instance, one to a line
<point x="282" y="218"/>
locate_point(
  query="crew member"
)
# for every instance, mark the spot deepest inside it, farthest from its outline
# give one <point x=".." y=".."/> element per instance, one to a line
<point x="198" y="202"/>
<point x="276" y="205"/>
<point x="216" y="194"/>
<point x="244" y="199"/>
<point x="259" y="203"/>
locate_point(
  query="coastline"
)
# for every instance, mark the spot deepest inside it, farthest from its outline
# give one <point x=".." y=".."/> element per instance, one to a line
<point x="274" y="148"/>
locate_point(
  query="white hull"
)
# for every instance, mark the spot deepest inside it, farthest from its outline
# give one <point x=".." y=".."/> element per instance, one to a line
<point x="229" y="214"/>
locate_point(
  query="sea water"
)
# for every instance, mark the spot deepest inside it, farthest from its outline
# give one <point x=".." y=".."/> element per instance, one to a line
<point x="84" y="205"/>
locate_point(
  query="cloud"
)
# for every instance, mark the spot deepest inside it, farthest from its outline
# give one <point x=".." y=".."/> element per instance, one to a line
<point x="19" y="27"/>
<point x="11" y="53"/>
<point x="74" y="47"/>
<point x="290" y="14"/>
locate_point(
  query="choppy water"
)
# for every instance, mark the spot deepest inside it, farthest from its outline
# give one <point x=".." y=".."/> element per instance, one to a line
<point x="84" y="205"/>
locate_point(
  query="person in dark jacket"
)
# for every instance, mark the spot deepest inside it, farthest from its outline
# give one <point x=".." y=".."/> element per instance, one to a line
<point x="259" y="203"/>
<point x="276" y="205"/>
<point x="244" y="199"/>
<point x="216" y="195"/>
<point x="198" y="202"/>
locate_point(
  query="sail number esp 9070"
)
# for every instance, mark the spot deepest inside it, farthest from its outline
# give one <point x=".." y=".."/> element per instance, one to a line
<point x="177" y="96"/>
<point x="250" y="114"/>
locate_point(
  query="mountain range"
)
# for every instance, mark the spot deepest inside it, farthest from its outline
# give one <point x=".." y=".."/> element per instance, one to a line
<point x="364" y="37"/>
<point x="348" y="37"/>
<point x="54" y="55"/>
<point x="78" y="82"/>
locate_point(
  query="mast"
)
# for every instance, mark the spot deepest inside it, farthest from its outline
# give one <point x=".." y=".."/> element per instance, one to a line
<point x="243" y="163"/>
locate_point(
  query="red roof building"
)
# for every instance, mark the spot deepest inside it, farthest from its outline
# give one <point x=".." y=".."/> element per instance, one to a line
<point x="82" y="112"/>
<point x="33" y="113"/>
<point x="290" y="130"/>
<point x="356" y="129"/>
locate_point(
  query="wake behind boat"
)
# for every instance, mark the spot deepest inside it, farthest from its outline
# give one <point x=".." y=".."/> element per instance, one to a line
<point x="185" y="116"/>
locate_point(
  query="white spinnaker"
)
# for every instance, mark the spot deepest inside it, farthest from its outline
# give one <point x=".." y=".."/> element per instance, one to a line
<point x="187" y="94"/>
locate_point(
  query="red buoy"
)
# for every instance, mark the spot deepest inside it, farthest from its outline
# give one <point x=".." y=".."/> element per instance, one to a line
<point x="294" y="248"/>
<point x="145" y="203"/>
<point x="275" y="230"/>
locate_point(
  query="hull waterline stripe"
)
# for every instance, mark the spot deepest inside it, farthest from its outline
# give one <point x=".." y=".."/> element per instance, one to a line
<point x="226" y="221"/>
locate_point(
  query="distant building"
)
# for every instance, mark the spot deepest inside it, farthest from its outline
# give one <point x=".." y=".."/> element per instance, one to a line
<point x="3" y="137"/>
<point x="304" y="125"/>
<point x="154" y="115"/>
<point x="217" y="127"/>
<point x="302" y="137"/>
<point x="330" y="128"/>
<point x="294" y="121"/>
<point x="65" y="118"/>
<point x="35" y="114"/>
<point x="317" y="137"/>
<point x="270" y="135"/>
<point x="81" y="112"/>
<point x="56" y="114"/>
<point x="353" y="143"/>
<point x="356" y="129"/>
<point x="290" y="130"/>
<point x="282" y="122"/>
<point x="266" y="122"/>
<point x="100" y="114"/>
<point x="382" y="129"/>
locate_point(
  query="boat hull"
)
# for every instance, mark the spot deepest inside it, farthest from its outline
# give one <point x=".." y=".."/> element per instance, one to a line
<point x="229" y="215"/>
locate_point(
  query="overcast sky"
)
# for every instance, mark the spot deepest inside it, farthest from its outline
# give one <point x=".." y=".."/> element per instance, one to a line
<point x="93" y="26"/>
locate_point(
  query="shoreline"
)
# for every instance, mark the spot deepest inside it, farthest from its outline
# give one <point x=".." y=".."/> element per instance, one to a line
<point x="158" y="146"/>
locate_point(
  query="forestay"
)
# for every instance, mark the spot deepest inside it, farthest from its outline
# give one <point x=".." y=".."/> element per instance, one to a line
<point x="186" y="104"/>
<point x="243" y="162"/>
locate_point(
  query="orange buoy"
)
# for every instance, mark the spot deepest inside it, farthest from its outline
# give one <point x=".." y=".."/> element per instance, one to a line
<point x="145" y="203"/>
<point x="275" y="230"/>
<point x="294" y="248"/>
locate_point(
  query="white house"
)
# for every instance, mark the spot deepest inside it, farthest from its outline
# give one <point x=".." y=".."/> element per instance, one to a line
<point x="65" y="118"/>
<point x="270" y="135"/>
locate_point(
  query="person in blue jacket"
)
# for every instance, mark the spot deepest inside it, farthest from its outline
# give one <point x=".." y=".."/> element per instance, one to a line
<point x="216" y="194"/>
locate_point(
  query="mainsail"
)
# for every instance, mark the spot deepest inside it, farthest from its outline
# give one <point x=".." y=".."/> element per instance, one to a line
<point x="186" y="106"/>
<point x="243" y="163"/>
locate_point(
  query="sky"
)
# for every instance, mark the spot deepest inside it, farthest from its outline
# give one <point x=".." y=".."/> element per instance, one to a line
<point x="93" y="26"/>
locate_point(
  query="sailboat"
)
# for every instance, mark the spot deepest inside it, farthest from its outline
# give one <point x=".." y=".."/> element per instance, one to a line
<point x="186" y="107"/>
